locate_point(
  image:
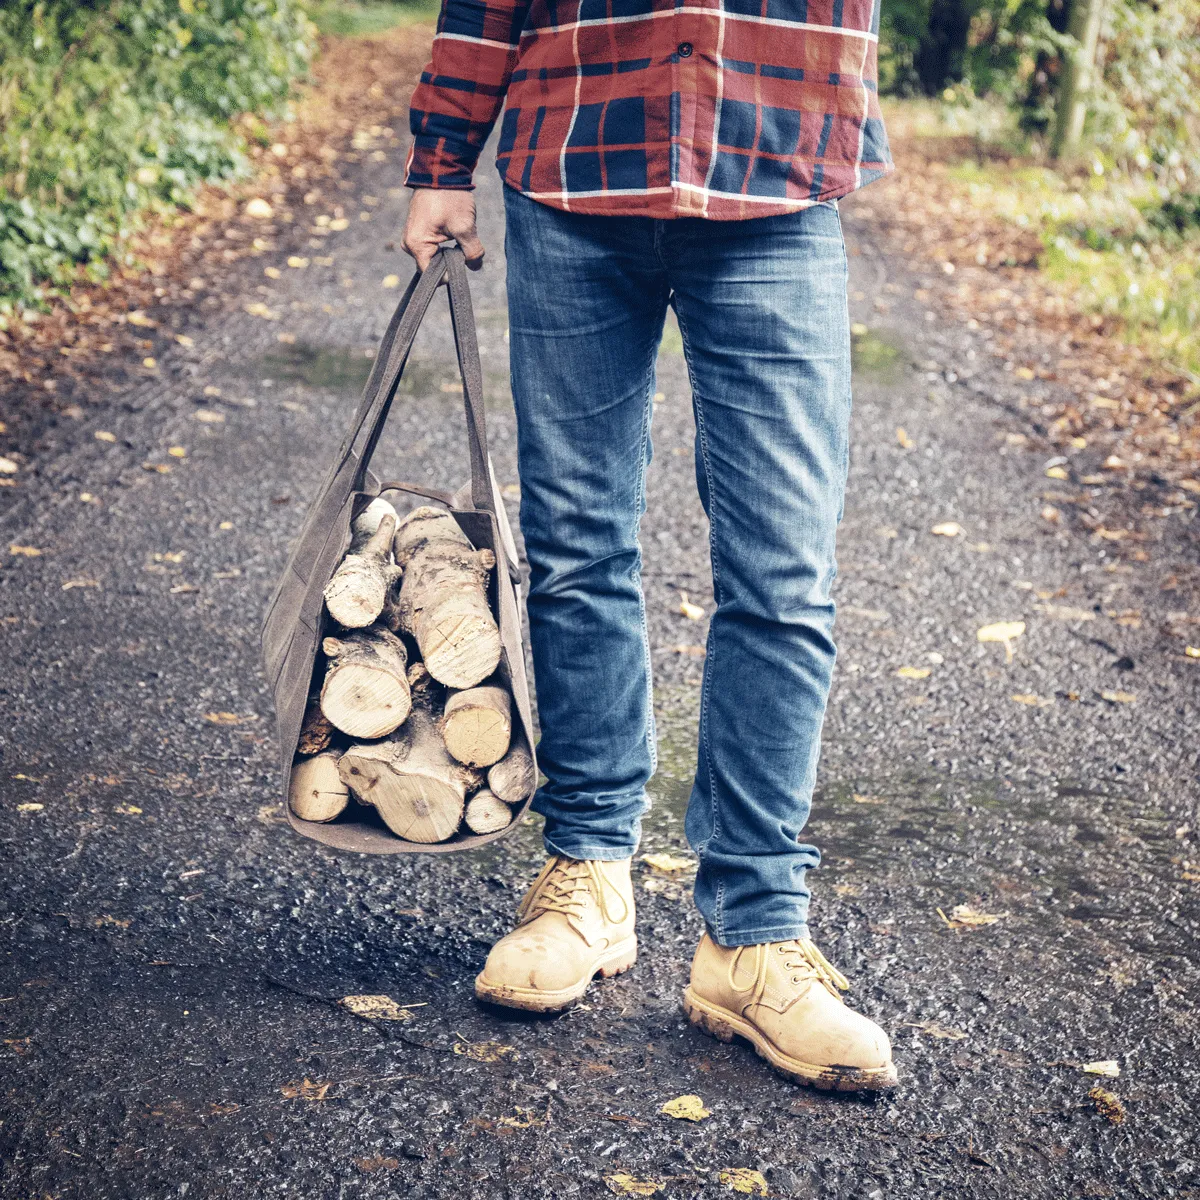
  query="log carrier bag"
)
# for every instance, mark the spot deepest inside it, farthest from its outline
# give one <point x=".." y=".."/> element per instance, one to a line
<point x="296" y="619"/>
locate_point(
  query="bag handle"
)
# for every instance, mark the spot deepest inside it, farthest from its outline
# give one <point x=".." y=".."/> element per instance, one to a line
<point x="448" y="263"/>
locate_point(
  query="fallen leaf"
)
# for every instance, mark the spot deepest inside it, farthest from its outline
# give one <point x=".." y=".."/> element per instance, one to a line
<point x="669" y="864"/>
<point x="305" y="1089"/>
<point x="1192" y="651"/>
<point x="210" y="390"/>
<point x="1057" y="473"/>
<point x="963" y="916"/>
<point x="128" y="810"/>
<point x="258" y="309"/>
<point x="1051" y="514"/>
<point x="102" y="435"/>
<point x="208" y="416"/>
<point x="686" y="1108"/>
<point x="177" y="452"/>
<point x="184" y="340"/>
<point x="30" y="807"/>
<point x="137" y="317"/>
<point x="183" y="589"/>
<point x="691" y="651"/>
<point x="1104" y="1066"/>
<point x="376" y="1008"/>
<point x="1119" y="697"/>
<point x="744" y="1180"/>
<point x="621" y="1183"/>
<point x="858" y="329"/>
<point x="297" y="262"/>
<point x="80" y="583"/>
<point x="1024" y="373"/>
<point x="693" y="612"/>
<point x="391" y="281"/>
<point x="272" y="272"/>
<point x="948" y="529"/>
<point x="1002" y="631"/>
<point x="1108" y="1105"/>
<point x="376" y="1163"/>
<point x="339" y="224"/>
<point x="859" y="798"/>
<point x="484" y="1052"/>
<point x="25" y="551"/>
<point x="934" y="1030"/>
<point x="902" y="439"/>
<point x="259" y="209"/>
<point x="1032" y="700"/>
<point x="8" y="467"/>
<point x="223" y="718"/>
<point x="157" y="468"/>
<point x="149" y="363"/>
<point x="914" y="672"/>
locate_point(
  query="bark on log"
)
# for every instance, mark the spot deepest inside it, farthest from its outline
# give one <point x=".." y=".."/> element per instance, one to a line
<point x="366" y="692"/>
<point x="317" y="792"/>
<point x="443" y="598"/>
<point x="486" y="812"/>
<point x="512" y="778"/>
<point x="316" y="732"/>
<point x="417" y="787"/>
<point x="359" y="589"/>
<point x="477" y="725"/>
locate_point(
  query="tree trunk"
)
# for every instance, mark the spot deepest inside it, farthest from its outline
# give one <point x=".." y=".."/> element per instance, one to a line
<point x="317" y="792"/>
<point x="486" y="813"/>
<point x="940" y="59"/>
<point x="512" y="778"/>
<point x="366" y="691"/>
<point x="443" y="598"/>
<point x="477" y="725"/>
<point x="1075" y="85"/>
<point x="358" y="591"/>
<point x="417" y="787"/>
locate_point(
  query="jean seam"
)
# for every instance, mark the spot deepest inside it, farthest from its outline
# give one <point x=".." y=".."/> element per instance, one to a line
<point x="710" y="658"/>
<point x="638" y="504"/>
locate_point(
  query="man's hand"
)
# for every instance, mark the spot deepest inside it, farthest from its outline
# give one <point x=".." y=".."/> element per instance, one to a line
<point x="436" y="215"/>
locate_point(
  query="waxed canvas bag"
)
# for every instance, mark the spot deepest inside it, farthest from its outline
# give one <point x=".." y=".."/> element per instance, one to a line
<point x="296" y="620"/>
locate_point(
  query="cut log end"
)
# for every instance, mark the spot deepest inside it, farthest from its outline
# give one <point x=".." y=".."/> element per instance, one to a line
<point x="317" y="791"/>
<point x="477" y="725"/>
<point x="513" y="778"/>
<point x="366" y="692"/>
<point x="486" y="812"/>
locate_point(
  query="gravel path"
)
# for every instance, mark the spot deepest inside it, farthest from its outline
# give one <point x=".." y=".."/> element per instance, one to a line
<point x="174" y="955"/>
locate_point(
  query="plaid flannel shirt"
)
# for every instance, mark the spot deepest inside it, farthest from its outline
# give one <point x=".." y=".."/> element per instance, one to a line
<point x="661" y="108"/>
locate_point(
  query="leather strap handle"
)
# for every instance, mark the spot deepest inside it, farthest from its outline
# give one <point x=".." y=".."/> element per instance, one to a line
<point x="448" y="263"/>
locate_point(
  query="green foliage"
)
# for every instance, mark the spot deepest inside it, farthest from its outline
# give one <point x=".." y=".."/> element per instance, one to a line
<point x="111" y="107"/>
<point x="344" y="18"/>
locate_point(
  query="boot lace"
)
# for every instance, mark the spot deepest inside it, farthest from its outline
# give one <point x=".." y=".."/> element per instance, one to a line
<point x="802" y="958"/>
<point x="564" y="887"/>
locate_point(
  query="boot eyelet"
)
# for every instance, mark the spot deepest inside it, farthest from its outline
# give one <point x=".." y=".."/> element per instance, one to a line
<point x="795" y="978"/>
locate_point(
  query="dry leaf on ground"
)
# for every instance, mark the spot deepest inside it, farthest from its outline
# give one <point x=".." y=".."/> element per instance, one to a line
<point x="744" y="1180"/>
<point x="693" y="612"/>
<point x="914" y="672"/>
<point x="1119" y="697"/>
<point x="483" y="1052"/>
<point x="963" y="916"/>
<point x="1001" y="631"/>
<point x="377" y="1008"/>
<point x="902" y="438"/>
<point x="1107" y="1104"/>
<point x="685" y="1108"/>
<point x="1032" y="700"/>
<point x="621" y="1183"/>
<point x="934" y="1030"/>
<point x="948" y="529"/>
<point x="669" y="864"/>
<point x="1103" y="1066"/>
<point x="305" y="1089"/>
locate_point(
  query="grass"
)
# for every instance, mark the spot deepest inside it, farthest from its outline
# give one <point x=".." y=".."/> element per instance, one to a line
<point x="338" y="18"/>
<point x="1104" y="244"/>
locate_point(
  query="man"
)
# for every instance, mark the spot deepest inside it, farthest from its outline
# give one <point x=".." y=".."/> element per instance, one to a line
<point x="691" y="155"/>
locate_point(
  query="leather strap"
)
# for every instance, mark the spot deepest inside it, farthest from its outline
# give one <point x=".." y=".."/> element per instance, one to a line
<point x="448" y="263"/>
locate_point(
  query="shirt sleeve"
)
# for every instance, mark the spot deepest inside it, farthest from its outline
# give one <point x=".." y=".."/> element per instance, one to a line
<point x="461" y="91"/>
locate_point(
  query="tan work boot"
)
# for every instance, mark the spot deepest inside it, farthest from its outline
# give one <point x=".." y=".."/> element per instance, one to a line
<point x="575" y="922"/>
<point x="783" y="998"/>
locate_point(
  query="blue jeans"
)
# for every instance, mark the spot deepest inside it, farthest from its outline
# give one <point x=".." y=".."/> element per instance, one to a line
<point x="761" y="305"/>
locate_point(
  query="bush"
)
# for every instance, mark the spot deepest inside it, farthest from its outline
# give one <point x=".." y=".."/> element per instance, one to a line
<point x="110" y="107"/>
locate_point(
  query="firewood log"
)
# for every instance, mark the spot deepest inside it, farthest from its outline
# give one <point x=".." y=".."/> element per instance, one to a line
<point x="477" y="725"/>
<point x="358" y="591"/>
<point x="410" y="778"/>
<point x="317" y="792"/>
<point x="486" y="812"/>
<point x="317" y="730"/>
<point x="366" y="693"/>
<point x="443" y="598"/>
<point x="512" y="778"/>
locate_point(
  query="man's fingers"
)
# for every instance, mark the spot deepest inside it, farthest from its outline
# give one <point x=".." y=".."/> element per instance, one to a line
<point x="471" y="247"/>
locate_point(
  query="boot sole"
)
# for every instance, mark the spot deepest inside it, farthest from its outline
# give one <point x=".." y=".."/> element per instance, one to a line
<point x="616" y="961"/>
<point x="723" y="1025"/>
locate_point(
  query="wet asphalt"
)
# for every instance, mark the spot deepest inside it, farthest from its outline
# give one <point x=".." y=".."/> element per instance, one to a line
<point x="174" y="955"/>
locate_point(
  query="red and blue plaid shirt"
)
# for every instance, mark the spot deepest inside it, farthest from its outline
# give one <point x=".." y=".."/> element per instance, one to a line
<point x="661" y="108"/>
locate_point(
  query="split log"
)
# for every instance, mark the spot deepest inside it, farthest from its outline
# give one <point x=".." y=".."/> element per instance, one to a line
<point x="366" y="692"/>
<point x="359" y="589"/>
<point x="317" y="792"/>
<point x="486" y="812"/>
<point x="477" y="725"/>
<point x="316" y="732"/>
<point x="512" y="778"/>
<point x="443" y="598"/>
<point x="410" y="778"/>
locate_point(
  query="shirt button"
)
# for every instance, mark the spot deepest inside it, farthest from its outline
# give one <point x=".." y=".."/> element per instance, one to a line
<point x="684" y="49"/>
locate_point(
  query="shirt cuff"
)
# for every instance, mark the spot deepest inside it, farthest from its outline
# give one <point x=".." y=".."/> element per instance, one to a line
<point x="438" y="162"/>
